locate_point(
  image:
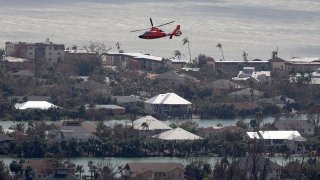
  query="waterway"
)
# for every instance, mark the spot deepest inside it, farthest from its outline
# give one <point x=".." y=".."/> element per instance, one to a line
<point x="118" y="161"/>
<point x="201" y="122"/>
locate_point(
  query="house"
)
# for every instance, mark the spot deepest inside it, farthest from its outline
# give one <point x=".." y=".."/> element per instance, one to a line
<point x="23" y="73"/>
<point x="279" y="101"/>
<point x="211" y="132"/>
<point x="256" y="167"/>
<point x="31" y="98"/>
<point x="18" y="64"/>
<point x="302" y="126"/>
<point x="251" y="73"/>
<point x="126" y="100"/>
<point x="4" y="142"/>
<point x="149" y="125"/>
<point x="61" y="173"/>
<point x="292" y="139"/>
<point x="246" y="94"/>
<point x="44" y="105"/>
<point x="110" y="109"/>
<point x="52" y="53"/>
<point x="172" y="77"/>
<point x="177" y="134"/>
<point x="167" y="104"/>
<point x="70" y="130"/>
<point x="91" y="85"/>
<point x="154" y="171"/>
<point x="223" y="86"/>
<point x="41" y="167"/>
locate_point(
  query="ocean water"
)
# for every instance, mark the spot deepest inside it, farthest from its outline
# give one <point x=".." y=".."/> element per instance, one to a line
<point x="255" y="26"/>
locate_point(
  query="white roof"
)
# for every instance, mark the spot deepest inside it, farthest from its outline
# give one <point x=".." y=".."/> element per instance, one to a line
<point x="146" y="56"/>
<point x="35" y="105"/>
<point x="287" y="135"/>
<point x="304" y="59"/>
<point x="168" y="98"/>
<point x="15" y="59"/>
<point x="153" y="124"/>
<point x="177" y="134"/>
<point x="258" y="75"/>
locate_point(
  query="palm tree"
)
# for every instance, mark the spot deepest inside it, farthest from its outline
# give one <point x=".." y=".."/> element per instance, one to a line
<point x="177" y="54"/>
<point x="219" y="45"/>
<point x="245" y="56"/>
<point x="80" y="169"/>
<point x="186" y="41"/>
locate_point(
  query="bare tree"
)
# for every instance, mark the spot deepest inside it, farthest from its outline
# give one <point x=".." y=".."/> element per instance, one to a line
<point x="99" y="49"/>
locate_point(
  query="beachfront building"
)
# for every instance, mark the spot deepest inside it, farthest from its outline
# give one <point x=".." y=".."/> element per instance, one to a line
<point x="141" y="61"/>
<point x="167" y="104"/>
<point x="177" y="134"/>
<point x="48" y="51"/>
<point x="303" y="64"/>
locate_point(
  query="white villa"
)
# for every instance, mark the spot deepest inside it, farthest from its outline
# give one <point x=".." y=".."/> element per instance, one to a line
<point x="166" y="103"/>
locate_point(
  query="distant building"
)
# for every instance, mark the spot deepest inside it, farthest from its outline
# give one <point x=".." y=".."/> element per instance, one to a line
<point x="302" y="64"/>
<point x="246" y="94"/>
<point x="156" y="171"/>
<point x="277" y="63"/>
<point x="47" y="50"/>
<point x="126" y="100"/>
<point x="292" y="138"/>
<point x="250" y="72"/>
<point x="172" y="77"/>
<point x="212" y="132"/>
<point x="302" y="126"/>
<point x="108" y="108"/>
<point x="79" y="54"/>
<point x="142" y="61"/>
<point x="4" y="142"/>
<point x="70" y="130"/>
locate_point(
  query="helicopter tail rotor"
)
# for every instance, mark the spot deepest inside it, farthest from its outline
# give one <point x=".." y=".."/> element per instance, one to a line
<point x="176" y="32"/>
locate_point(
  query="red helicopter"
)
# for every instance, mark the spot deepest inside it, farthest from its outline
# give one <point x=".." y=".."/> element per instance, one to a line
<point x="155" y="32"/>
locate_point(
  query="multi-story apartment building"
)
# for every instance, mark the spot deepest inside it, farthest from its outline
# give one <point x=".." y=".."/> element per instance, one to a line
<point x="52" y="53"/>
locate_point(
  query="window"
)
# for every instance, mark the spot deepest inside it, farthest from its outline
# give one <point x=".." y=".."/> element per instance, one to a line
<point x="50" y="53"/>
<point x="30" y="53"/>
<point x="50" y="48"/>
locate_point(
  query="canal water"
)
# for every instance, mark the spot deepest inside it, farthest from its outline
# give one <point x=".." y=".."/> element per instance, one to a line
<point x="201" y="122"/>
<point x="118" y="161"/>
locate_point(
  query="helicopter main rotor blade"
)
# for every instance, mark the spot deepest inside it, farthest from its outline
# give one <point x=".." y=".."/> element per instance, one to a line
<point x="165" y="24"/>
<point x="151" y="22"/>
<point x="139" y="30"/>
